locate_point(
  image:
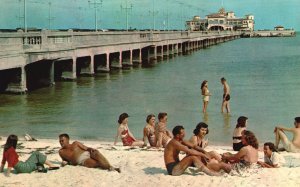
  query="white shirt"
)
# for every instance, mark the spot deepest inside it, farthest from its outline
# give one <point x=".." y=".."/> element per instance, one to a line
<point x="276" y="159"/>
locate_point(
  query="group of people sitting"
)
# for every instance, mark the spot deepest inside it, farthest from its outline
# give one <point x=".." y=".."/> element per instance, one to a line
<point x="157" y="134"/>
<point x="244" y="142"/>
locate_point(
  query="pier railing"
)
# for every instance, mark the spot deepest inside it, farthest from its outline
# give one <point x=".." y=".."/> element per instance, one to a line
<point x="46" y="40"/>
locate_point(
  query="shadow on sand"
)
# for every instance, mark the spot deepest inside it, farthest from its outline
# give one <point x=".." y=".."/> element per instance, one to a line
<point x="156" y="171"/>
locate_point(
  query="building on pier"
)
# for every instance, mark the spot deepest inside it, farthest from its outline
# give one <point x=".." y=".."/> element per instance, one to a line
<point x="221" y="20"/>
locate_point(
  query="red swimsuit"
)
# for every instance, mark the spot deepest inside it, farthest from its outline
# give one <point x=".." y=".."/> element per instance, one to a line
<point x="126" y="138"/>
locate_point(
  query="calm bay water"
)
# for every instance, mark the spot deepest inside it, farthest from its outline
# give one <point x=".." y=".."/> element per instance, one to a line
<point x="263" y="74"/>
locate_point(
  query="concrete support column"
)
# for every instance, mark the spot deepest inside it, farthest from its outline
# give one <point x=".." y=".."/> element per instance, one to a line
<point x="107" y="61"/>
<point x="92" y="64"/>
<point x="23" y="83"/>
<point x="120" y="59"/>
<point x="180" y="48"/>
<point x="130" y="57"/>
<point x="155" y="52"/>
<point x="140" y="56"/>
<point x="176" y="49"/>
<point x="18" y="87"/>
<point x="74" y="76"/>
<point x="162" y="52"/>
<point x="168" y="52"/>
<point x="52" y="82"/>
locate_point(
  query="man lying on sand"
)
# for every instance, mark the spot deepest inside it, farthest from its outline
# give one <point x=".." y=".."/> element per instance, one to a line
<point x="293" y="146"/>
<point x="78" y="154"/>
<point x="194" y="157"/>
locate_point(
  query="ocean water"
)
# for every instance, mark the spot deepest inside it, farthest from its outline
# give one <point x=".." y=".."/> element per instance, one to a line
<point x="263" y="74"/>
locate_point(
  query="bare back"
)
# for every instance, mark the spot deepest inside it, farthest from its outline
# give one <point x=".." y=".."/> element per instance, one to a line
<point x="250" y="154"/>
<point x="296" y="138"/>
<point x="226" y="88"/>
<point x="237" y="132"/>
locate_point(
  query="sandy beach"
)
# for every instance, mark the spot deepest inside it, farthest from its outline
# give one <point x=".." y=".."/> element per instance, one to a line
<point x="142" y="167"/>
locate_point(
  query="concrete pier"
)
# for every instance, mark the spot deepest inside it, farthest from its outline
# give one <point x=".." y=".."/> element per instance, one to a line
<point x="68" y="54"/>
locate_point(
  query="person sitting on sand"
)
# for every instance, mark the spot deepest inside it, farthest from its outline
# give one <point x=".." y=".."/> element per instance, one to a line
<point x="237" y="133"/>
<point x="10" y="156"/>
<point x="271" y="159"/>
<point x="247" y="156"/>
<point x="194" y="155"/>
<point x="163" y="135"/>
<point x="149" y="131"/>
<point x="293" y="146"/>
<point x="126" y="136"/>
<point x="79" y="154"/>
<point x="198" y="139"/>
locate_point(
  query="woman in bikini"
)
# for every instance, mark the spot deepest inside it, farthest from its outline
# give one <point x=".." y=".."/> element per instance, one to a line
<point x="126" y="136"/>
<point x="34" y="162"/>
<point x="149" y="131"/>
<point x="199" y="139"/>
<point x="237" y="133"/>
<point x="205" y="94"/>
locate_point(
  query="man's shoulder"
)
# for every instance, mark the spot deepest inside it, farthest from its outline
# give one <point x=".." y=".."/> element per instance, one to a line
<point x="175" y="143"/>
<point x="75" y="143"/>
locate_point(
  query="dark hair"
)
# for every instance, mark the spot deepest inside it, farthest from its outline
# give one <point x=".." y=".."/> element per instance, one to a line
<point x="271" y="146"/>
<point x="223" y="79"/>
<point x="149" y="117"/>
<point x="122" y="117"/>
<point x="199" y="126"/>
<point x="64" y="135"/>
<point x="297" y="119"/>
<point x="161" y="115"/>
<point x="176" y="130"/>
<point x="250" y="138"/>
<point x="203" y="83"/>
<point x="11" y="141"/>
<point x="241" y="122"/>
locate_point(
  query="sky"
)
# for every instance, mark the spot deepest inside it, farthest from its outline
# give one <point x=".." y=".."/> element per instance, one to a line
<point x="141" y="14"/>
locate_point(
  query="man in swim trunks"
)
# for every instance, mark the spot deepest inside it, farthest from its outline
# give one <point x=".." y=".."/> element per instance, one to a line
<point x="226" y="96"/>
<point x="290" y="146"/>
<point x="79" y="154"/>
<point x="194" y="157"/>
